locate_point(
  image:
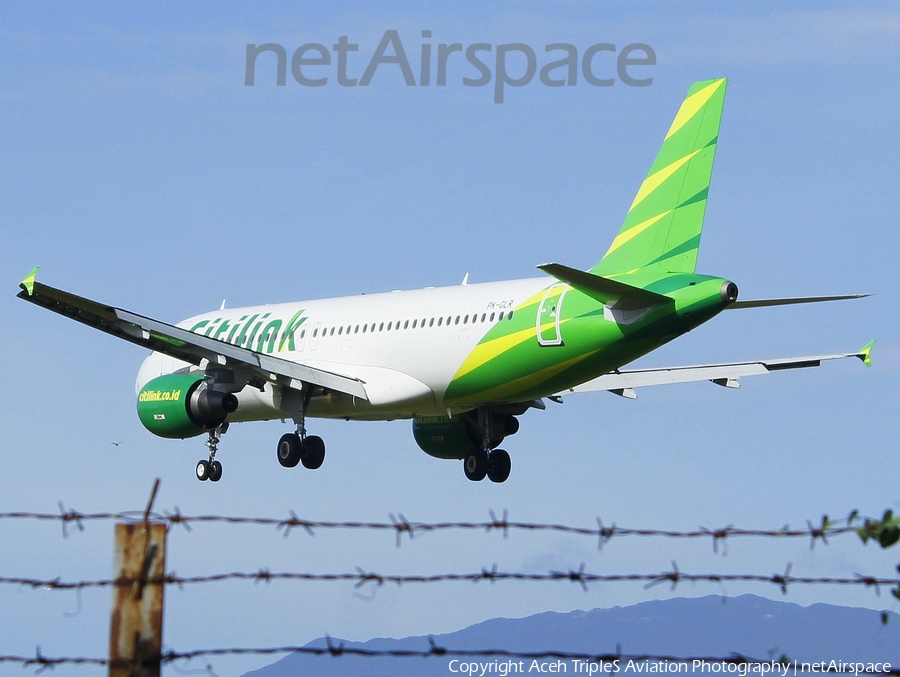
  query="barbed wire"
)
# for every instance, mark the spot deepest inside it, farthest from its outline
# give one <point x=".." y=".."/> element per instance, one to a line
<point x="434" y="650"/>
<point x="362" y="578"/>
<point x="400" y="525"/>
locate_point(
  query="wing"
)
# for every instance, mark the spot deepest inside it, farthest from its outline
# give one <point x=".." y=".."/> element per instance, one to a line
<point x="183" y="344"/>
<point x="623" y="382"/>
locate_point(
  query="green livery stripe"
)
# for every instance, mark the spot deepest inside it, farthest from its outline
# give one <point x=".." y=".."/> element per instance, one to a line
<point x="502" y="337"/>
<point x="663" y="224"/>
<point x="654" y="181"/>
<point x="513" y="389"/>
<point x="491" y="348"/>
<point x="509" y="362"/>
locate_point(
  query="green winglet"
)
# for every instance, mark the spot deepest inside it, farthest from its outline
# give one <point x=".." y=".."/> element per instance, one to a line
<point x="28" y="283"/>
<point x="863" y="354"/>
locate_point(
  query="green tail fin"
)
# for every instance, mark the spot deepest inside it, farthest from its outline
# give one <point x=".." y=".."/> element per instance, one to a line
<point x="664" y="222"/>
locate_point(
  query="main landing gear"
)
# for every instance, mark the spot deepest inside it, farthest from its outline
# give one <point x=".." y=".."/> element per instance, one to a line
<point x="293" y="448"/>
<point x="298" y="447"/>
<point x="487" y="461"/>
<point x="212" y="469"/>
<point x="494" y="464"/>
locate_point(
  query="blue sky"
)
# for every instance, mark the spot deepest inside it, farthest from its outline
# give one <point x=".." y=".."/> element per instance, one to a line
<point x="140" y="170"/>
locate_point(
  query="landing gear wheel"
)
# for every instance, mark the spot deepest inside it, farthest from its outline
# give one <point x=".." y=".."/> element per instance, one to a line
<point x="215" y="471"/>
<point x="498" y="466"/>
<point x="475" y="465"/>
<point x="290" y="448"/>
<point x="203" y="470"/>
<point x="314" y="452"/>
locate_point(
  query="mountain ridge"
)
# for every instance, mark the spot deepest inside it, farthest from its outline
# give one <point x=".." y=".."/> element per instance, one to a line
<point x="710" y="626"/>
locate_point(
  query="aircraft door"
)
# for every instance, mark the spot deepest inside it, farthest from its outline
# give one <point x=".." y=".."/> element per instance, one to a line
<point x="314" y="339"/>
<point x="549" y="314"/>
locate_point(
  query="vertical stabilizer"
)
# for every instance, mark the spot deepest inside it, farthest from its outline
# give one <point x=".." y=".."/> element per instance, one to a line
<point x="663" y="224"/>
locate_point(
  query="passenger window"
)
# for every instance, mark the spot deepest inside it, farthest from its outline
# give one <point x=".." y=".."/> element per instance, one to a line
<point x="315" y="332"/>
<point x="431" y="322"/>
<point x="340" y="330"/>
<point x="492" y="317"/>
<point x="457" y="320"/>
<point x="414" y="324"/>
<point x="440" y="321"/>
<point x="381" y="327"/>
<point x="389" y="325"/>
<point x="406" y="324"/>
<point x="509" y="317"/>
<point x="356" y="329"/>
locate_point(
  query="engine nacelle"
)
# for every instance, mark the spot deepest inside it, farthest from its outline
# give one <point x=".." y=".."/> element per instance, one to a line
<point x="445" y="436"/>
<point x="454" y="437"/>
<point x="182" y="405"/>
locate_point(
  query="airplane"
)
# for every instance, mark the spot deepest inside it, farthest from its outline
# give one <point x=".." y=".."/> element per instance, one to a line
<point x="462" y="362"/>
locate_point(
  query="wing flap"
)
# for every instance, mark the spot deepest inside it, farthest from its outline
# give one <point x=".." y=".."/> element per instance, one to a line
<point x="181" y="343"/>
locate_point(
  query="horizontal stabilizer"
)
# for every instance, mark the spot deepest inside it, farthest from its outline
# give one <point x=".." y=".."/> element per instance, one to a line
<point x="720" y="374"/>
<point x="765" y="303"/>
<point x="603" y="289"/>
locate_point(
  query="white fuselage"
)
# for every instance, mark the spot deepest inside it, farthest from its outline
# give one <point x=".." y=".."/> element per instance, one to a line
<point x="406" y="346"/>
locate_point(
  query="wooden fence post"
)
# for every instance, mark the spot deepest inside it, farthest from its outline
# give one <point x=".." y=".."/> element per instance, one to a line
<point x="135" y="639"/>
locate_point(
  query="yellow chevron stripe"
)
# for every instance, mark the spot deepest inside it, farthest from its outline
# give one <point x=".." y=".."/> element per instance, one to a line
<point x="691" y="105"/>
<point x="485" y="352"/>
<point x="654" y="181"/>
<point x="622" y="238"/>
<point x="488" y="350"/>
<point x="529" y="381"/>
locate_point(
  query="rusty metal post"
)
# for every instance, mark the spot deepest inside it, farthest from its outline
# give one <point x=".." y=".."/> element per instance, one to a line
<point x="135" y="637"/>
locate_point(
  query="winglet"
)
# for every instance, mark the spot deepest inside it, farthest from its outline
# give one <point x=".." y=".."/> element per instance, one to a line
<point x="28" y="283"/>
<point x="863" y="354"/>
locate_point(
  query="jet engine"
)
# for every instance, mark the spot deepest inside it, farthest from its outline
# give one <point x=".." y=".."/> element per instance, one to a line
<point x="182" y="405"/>
<point x="454" y="437"/>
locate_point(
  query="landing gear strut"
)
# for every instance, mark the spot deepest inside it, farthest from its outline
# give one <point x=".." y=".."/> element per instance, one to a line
<point x="485" y="461"/>
<point x="298" y="447"/>
<point x="212" y="469"/>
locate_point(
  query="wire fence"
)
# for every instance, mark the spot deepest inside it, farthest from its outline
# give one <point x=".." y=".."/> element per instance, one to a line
<point x="361" y="578"/>
<point x="401" y="527"/>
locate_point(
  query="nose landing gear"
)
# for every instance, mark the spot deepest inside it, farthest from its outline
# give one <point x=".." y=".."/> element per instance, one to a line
<point x="212" y="469"/>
